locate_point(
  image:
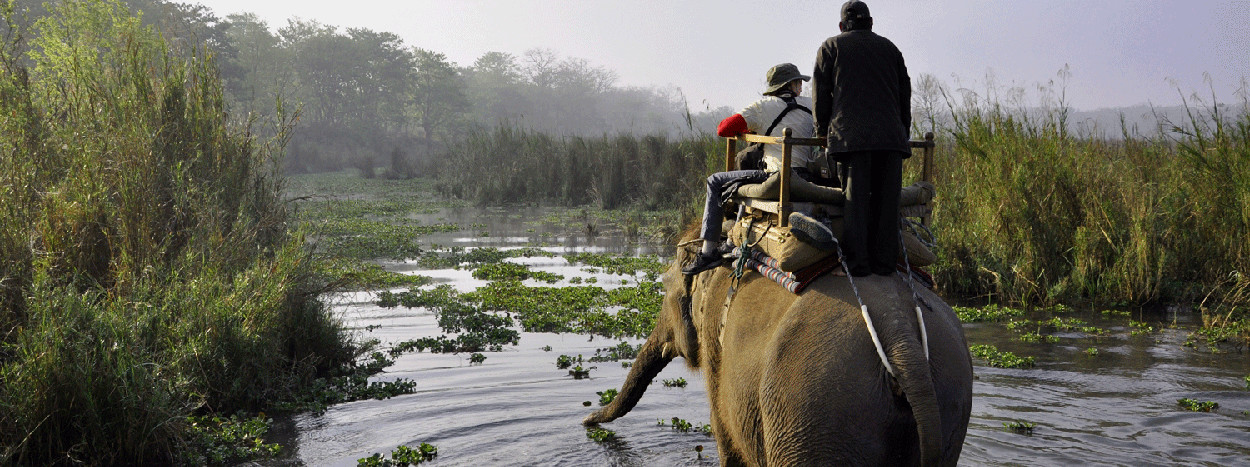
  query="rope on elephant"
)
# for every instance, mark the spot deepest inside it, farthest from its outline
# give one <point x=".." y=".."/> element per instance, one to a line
<point x="915" y="298"/>
<point x="872" y="331"/>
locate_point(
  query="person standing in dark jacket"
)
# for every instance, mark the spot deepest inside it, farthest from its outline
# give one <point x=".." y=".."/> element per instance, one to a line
<point x="862" y="99"/>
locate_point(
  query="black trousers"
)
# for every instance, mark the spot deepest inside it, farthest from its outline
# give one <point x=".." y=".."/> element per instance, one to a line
<point x="871" y="181"/>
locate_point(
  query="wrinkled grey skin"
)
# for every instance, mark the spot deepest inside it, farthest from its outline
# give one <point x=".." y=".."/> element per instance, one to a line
<point x="798" y="381"/>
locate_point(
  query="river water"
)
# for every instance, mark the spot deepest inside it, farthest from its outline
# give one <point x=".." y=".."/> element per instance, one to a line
<point x="1118" y="407"/>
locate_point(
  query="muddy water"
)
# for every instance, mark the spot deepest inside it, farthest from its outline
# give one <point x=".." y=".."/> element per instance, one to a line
<point x="1118" y="407"/>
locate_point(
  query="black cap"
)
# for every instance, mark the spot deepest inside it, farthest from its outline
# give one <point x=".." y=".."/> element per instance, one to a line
<point x="855" y="10"/>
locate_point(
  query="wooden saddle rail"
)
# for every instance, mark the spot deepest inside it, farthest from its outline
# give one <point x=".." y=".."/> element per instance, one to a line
<point x="788" y="142"/>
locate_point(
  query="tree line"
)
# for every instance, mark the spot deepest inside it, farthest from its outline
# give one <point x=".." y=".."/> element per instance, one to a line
<point x="367" y="99"/>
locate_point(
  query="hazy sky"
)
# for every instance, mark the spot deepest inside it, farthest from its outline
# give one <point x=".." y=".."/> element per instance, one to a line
<point x="1119" y="52"/>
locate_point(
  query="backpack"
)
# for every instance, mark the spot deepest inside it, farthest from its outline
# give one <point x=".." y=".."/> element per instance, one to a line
<point x="752" y="156"/>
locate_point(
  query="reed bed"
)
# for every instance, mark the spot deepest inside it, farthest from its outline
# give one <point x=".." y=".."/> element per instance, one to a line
<point x="508" y="164"/>
<point x="1029" y="213"/>
<point x="146" y="271"/>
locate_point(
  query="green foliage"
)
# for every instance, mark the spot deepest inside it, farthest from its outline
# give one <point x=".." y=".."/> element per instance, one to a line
<point x="684" y="426"/>
<point x="991" y="312"/>
<point x="223" y="441"/>
<point x="476" y="358"/>
<point x="402" y="456"/>
<point x="1031" y="213"/>
<point x="606" y="396"/>
<point x="565" y="361"/>
<point x="675" y="383"/>
<point x="512" y="271"/>
<point x="608" y="172"/>
<point x="1020" y="427"/>
<point x="148" y="271"/>
<point x="1197" y="406"/>
<point x="622" y="351"/>
<point x="1092" y="351"/>
<point x="1001" y="359"/>
<point x="619" y="264"/>
<point x="578" y="372"/>
<point x="621" y="312"/>
<point x="600" y="435"/>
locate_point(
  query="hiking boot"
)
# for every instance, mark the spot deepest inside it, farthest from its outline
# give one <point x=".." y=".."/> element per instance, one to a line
<point x="811" y="231"/>
<point x="727" y="250"/>
<point x="702" y="263"/>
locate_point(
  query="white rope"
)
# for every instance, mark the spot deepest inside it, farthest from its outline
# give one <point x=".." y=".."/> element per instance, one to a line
<point x="924" y="333"/>
<point x="872" y="331"/>
<point x="911" y="284"/>
<point x="875" y="340"/>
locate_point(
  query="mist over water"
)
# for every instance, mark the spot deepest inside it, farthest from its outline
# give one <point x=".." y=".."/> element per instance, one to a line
<point x="1118" y="407"/>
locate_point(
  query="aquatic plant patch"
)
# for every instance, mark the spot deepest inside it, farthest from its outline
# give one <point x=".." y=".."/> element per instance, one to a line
<point x="1196" y="405"/>
<point x="621" y="312"/>
<point x="600" y="435"/>
<point x="652" y="267"/>
<point x="607" y="396"/>
<point x="578" y="372"/>
<point x="622" y="351"/>
<point x="1000" y="359"/>
<point x="478" y="330"/>
<point x="566" y="361"/>
<point x="512" y="271"/>
<point x="684" y="426"/>
<point x="367" y="239"/>
<point x="220" y="441"/>
<point x="675" y="383"/>
<point x="456" y="257"/>
<point x="1020" y="427"/>
<point x="991" y="312"/>
<point x="402" y="456"/>
<point x="354" y="274"/>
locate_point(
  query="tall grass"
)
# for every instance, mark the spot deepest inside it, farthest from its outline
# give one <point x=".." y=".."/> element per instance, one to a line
<point x="146" y="271"/>
<point x="1029" y="213"/>
<point x="507" y="165"/>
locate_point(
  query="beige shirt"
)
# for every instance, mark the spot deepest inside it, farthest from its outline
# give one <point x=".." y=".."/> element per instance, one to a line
<point x="760" y="114"/>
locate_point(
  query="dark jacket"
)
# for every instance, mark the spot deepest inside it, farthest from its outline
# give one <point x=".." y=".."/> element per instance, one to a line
<point x="862" y="94"/>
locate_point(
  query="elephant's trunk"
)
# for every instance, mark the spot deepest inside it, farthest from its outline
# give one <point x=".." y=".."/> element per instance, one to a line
<point x="651" y="359"/>
<point x="915" y="378"/>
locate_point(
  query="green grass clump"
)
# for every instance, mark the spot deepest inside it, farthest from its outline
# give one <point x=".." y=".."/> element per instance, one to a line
<point x="147" y="271"/>
<point x="1000" y="359"/>
<point x="1032" y="212"/>
<point x="1197" y="406"/>
<point x="608" y="172"/>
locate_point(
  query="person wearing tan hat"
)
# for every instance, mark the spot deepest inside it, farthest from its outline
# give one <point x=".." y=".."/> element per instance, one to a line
<point x="862" y="97"/>
<point x="782" y="107"/>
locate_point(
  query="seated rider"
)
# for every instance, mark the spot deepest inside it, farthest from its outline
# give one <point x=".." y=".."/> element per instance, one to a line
<point x="785" y="84"/>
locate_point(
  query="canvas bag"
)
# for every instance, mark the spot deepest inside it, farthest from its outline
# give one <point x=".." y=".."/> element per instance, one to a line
<point x="791" y="253"/>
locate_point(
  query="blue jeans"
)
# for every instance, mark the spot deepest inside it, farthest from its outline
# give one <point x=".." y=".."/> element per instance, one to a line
<point x="713" y="213"/>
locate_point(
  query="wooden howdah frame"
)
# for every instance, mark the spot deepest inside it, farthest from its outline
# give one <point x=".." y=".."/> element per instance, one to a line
<point x="788" y="142"/>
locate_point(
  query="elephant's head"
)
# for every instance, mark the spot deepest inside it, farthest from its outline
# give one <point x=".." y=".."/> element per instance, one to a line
<point x="674" y="336"/>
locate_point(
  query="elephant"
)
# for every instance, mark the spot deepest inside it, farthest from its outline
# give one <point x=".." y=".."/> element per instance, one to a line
<point x="797" y="380"/>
